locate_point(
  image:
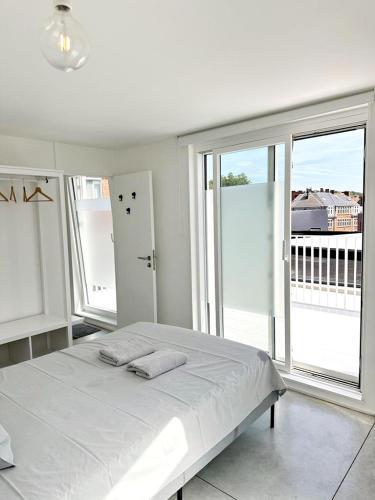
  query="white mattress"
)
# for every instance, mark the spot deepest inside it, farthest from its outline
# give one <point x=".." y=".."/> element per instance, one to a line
<point x="84" y="430"/>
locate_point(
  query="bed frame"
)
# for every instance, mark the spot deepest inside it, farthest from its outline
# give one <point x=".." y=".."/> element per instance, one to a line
<point x="176" y="486"/>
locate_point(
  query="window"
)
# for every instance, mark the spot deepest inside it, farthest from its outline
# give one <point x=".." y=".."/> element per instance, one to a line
<point x="95" y="289"/>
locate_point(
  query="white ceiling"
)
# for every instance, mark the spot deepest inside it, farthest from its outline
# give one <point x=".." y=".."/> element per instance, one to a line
<point x="166" y="67"/>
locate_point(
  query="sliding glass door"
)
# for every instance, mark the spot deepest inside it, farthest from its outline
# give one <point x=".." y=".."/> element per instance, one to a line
<point x="245" y="193"/>
<point x="327" y="205"/>
<point x="283" y="238"/>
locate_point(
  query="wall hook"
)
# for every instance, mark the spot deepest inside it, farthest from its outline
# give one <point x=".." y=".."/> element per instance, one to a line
<point x="120" y="197"/>
<point x="128" y="211"/>
<point x="134" y="195"/>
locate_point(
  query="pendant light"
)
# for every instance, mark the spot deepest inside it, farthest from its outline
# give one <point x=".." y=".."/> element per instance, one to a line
<point x="63" y="41"/>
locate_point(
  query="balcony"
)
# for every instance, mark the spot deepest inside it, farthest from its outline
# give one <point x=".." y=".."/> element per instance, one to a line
<point x="326" y="271"/>
<point x="326" y="275"/>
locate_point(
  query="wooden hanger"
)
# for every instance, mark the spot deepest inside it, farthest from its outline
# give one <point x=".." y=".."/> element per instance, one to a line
<point x="12" y="195"/>
<point x="3" y="197"/>
<point x="38" y="190"/>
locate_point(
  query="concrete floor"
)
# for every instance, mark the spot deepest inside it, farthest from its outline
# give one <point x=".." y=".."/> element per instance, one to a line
<point x="317" y="451"/>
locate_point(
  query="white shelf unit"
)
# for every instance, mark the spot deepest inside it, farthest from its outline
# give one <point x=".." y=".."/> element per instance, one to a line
<point x="35" y="311"/>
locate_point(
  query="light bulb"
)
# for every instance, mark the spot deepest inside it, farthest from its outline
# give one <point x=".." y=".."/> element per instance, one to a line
<point x="63" y="41"/>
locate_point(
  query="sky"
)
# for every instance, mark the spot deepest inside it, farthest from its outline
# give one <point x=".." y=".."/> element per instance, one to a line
<point x="332" y="161"/>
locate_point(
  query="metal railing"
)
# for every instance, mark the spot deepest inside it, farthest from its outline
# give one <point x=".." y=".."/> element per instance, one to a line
<point x="326" y="270"/>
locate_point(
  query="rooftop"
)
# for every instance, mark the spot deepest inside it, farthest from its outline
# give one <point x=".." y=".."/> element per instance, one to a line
<point x="322" y="199"/>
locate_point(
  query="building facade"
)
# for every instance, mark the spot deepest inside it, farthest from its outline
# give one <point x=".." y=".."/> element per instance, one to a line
<point x="325" y="210"/>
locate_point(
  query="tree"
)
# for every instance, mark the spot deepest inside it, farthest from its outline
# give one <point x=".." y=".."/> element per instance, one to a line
<point x="233" y="180"/>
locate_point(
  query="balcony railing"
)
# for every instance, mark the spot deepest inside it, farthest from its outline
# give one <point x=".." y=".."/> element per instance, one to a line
<point x="326" y="270"/>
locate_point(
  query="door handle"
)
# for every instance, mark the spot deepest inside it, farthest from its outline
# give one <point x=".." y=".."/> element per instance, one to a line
<point x="285" y="252"/>
<point x="145" y="258"/>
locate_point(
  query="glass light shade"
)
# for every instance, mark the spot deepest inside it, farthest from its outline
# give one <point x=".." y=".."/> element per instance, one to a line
<point x="63" y="41"/>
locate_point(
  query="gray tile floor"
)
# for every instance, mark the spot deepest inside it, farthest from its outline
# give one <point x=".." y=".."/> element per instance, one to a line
<point x="317" y="451"/>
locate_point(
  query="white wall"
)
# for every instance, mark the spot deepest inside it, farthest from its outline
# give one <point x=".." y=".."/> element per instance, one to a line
<point x="73" y="159"/>
<point x="170" y="183"/>
<point x="21" y="292"/>
<point x="19" y="151"/>
<point x="170" y="186"/>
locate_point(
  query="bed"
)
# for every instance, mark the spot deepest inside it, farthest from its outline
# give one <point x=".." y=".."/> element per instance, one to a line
<point x="84" y="430"/>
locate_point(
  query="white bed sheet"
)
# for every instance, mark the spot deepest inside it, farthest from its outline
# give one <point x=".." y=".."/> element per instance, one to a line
<point x="84" y="430"/>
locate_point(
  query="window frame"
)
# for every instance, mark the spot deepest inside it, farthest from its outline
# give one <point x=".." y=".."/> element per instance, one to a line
<point x="342" y="223"/>
<point x="81" y="306"/>
<point x="351" y="111"/>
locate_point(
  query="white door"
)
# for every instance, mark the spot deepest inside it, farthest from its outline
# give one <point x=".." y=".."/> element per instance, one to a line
<point x="134" y="245"/>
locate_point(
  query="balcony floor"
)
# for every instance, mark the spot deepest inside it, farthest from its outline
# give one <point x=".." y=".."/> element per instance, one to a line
<point x="323" y="338"/>
<point x="326" y="338"/>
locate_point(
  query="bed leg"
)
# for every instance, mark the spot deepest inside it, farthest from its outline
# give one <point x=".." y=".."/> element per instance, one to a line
<point x="272" y="421"/>
<point x="179" y="494"/>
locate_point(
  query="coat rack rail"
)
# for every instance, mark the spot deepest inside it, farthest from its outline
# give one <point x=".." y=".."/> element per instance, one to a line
<point x="25" y="178"/>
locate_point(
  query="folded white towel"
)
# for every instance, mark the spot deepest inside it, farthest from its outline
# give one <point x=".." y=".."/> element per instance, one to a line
<point x="157" y="363"/>
<point x="122" y="352"/>
<point x="6" y="455"/>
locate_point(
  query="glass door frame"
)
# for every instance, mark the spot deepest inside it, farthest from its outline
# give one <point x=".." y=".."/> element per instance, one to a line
<point x="286" y="141"/>
<point x="340" y="121"/>
<point x="347" y="111"/>
<point x="326" y="373"/>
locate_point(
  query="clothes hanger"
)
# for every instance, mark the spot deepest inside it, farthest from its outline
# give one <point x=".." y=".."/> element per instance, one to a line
<point x="38" y="190"/>
<point x="3" y="197"/>
<point x="24" y="195"/>
<point x="12" y="195"/>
